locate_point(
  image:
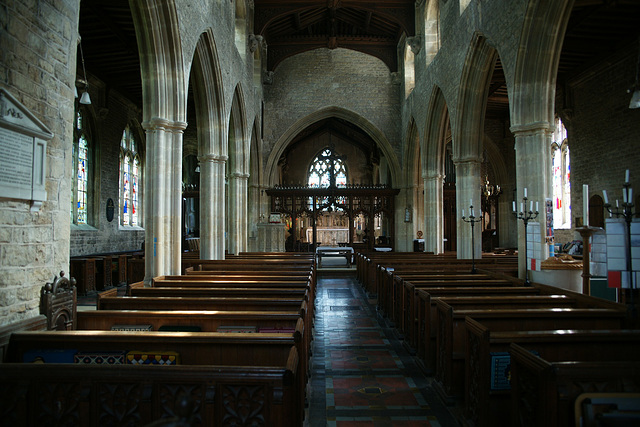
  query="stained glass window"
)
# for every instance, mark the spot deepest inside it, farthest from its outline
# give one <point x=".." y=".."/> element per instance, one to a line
<point x="561" y="177"/>
<point x="80" y="185"/>
<point x="320" y="174"/>
<point x="327" y="169"/>
<point x="130" y="170"/>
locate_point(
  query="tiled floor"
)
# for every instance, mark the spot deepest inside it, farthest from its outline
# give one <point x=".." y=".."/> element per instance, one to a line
<point x="361" y="373"/>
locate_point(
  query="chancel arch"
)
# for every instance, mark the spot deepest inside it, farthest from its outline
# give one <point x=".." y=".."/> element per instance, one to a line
<point x="330" y="186"/>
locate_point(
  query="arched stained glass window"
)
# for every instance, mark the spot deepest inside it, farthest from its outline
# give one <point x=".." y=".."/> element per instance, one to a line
<point x="129" y="180"/>
<point x="80" y="187"/>
<point x="327" y="169"/>
<point x="561" y="177"/>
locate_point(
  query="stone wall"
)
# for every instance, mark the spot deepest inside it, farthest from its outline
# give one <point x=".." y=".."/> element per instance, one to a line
<point x="108" y="115"/>
<point x="37" y="66"/>
<point x="323" y="78"/>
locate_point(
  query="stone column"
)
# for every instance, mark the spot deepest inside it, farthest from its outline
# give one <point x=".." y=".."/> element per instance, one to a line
<point x="468" y="183"/>
<point x="433" y="209"/>
<point x="238" y="212"/>
<point x="163" y="197"/>
<point x="212" y="206"/>
<point x="533" y="170"/>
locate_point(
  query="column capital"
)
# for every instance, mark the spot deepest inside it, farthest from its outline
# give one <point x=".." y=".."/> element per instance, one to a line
<point x="433" y="176"/>
<point x="239" y="175"/>
<point x="532" y="128"/>
<point x="213" y="158"/>
<point x="159" y="123"/>
<point x="468" y="160"/>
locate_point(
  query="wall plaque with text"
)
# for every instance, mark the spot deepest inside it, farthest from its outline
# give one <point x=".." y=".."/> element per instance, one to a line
<point x="23" y="152"/>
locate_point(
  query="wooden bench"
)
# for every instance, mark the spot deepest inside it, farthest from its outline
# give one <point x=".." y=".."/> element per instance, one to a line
<point x="451" y="334"/>
<point x="426" y="320"/>
<point x="480" y="302"/>
<point x="218" y="370"/>
<point x="547" y="390"/>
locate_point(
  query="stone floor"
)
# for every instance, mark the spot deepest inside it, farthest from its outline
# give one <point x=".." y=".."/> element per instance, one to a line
<point x="361" y="373"/>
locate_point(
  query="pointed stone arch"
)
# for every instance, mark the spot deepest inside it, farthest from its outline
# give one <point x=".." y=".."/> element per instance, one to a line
<point x="433" y="157"/>
<point x="468" y="138"/>
<point x="532" y="105"/>
<point x="237" y="175"/>
<point x="378" y="137"/>
<point x="413" y="191"/>
<point x="212" y="144"/>
<point x="164" y="95"/>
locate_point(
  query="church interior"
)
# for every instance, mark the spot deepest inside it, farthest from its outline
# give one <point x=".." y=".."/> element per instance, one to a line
<point x="369" y="150"/>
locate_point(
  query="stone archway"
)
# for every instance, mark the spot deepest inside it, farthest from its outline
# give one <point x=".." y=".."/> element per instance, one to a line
<point x="164" y="118"/>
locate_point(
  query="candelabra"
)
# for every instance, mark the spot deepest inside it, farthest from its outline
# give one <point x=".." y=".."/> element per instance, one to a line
<point x="472" y="220"/>
<point x="525" y="217"/>
<point x="625" y="212"/>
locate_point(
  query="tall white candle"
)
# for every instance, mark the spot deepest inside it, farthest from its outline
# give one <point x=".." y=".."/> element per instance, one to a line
<point x="525" y="191"/>
<point x="531" y="206"/>
<point x="585" y="204"/>
<point x="630" y="195"/>
<point x="606" y="199"/>
<point x="536" y="206"/>
<point x="626" y="176"/>
<point x="521" y="206"/>
<point x="624" y="196"/>
<point x="514" y="205"/>
<point x="472" y="214"/>
<point x="462" y="213"/>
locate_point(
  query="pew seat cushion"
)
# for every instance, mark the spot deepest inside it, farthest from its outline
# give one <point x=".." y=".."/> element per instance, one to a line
<point x="163" y="358"/>
<point x="49" y="356"/>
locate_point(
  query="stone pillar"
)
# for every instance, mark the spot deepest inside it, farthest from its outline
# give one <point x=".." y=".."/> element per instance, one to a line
<point x="238" y="212"/>
<point x="533" y="171"/>
<point x="468" y="183"/>
<point x="212" y="206"/>
<point x="434" y="221"/>
<point x="163" y="197"/>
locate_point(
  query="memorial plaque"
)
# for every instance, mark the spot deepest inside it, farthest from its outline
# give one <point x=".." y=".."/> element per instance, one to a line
<point x="23" y="152"/>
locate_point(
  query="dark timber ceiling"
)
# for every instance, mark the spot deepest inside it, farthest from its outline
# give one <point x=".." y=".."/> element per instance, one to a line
<point x="374" y="28"/>
<point x="597" y="28"/>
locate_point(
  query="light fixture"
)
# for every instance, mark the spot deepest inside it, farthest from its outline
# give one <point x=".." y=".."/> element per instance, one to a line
<point x="635" y="98"/>
<point x="84" y="99"/>
<point x="198" y="169"/>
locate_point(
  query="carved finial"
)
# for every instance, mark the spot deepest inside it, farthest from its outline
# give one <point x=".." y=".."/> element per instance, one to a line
<point x="254" y="42"/>
<point x="267" y="77"/>
<point x="415" y="43"/>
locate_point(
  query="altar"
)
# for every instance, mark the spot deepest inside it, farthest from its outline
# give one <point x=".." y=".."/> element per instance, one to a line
<point x="328" y="236"/>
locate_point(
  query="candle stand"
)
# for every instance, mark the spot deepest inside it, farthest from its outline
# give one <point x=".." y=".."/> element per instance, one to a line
<point x="526" y="217"/>
<point x="626" y="212"/>
<point x="472" y="220"/>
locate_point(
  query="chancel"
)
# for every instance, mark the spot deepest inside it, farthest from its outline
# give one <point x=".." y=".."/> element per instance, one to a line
<point x="316" y="213"/>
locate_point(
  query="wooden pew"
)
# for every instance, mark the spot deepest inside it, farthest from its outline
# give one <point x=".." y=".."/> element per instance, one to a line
<point x="218" y="369"/>
<point x="480" y="302"/>
<point x="426" y="320"/>
<point x="547" y="389"/>
<point x="451" y="334"/>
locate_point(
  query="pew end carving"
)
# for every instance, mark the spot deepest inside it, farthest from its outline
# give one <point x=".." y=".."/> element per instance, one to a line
<point x="58" y="302"/>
